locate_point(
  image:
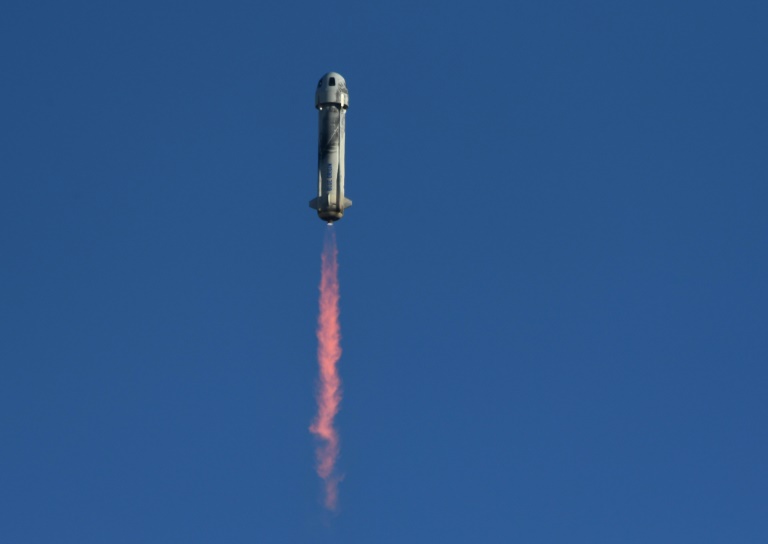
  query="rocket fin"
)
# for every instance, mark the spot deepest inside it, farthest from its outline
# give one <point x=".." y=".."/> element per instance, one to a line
<point x="314" y="203"/>
<point x="347" y="203"/>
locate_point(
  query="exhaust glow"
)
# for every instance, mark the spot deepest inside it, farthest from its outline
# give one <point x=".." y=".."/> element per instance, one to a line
<point x="329" y="384"/>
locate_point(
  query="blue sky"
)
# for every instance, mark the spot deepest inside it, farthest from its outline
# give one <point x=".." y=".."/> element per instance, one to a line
<point x="553" y="278"/>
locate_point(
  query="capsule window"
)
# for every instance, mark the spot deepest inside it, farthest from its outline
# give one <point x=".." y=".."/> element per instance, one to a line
<point x="331" y="81"/>
<point x="319" y="83"/>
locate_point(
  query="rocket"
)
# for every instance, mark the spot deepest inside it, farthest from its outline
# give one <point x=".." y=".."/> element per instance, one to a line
<point x="332" y="101"/>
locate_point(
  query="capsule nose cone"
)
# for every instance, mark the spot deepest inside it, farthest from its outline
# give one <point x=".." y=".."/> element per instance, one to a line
<point x="332" y="89"/>
<point x="335" y="75"/>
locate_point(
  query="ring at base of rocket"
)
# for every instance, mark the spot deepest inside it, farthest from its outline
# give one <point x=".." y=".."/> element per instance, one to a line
<point x="329" y="212"/>
<point x="330" y="216"/>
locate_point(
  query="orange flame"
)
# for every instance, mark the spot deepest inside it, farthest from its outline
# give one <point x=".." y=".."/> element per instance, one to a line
<point x="329" y="387"/>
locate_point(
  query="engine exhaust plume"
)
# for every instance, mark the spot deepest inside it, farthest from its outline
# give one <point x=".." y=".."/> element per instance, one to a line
<point x="329" y="383"/>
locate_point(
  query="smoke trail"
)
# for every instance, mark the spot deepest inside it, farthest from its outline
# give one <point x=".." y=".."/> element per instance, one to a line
<point x="329" y="386"/>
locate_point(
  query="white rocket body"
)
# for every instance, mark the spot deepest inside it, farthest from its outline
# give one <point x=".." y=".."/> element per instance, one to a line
<point x="332" y="101"/>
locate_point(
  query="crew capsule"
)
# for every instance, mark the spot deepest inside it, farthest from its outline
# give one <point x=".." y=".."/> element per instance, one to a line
<point x="332" y="101"/>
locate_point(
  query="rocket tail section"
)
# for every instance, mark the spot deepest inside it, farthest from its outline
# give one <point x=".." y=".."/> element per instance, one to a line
<point x="316" y="202"/>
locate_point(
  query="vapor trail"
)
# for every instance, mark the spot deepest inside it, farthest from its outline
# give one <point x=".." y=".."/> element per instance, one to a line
<point x="329" y="385"/>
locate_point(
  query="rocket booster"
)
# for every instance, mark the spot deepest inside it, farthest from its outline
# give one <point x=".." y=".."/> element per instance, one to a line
<point x="332" y="101"/>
